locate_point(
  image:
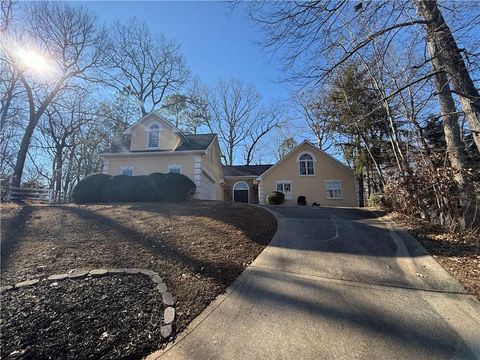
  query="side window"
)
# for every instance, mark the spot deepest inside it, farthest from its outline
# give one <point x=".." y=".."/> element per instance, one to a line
<point x="334" y="189"/>
<point x="127" y="170"/>
<point x="286" y="188"/>
<point x="305" y="163"/>
<point x="153" y="136"/>
<point x="175" y="169"/>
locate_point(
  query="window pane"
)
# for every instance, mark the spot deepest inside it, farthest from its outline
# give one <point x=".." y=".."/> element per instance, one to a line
<point x="286" y="187"/>
<point x="174" y="169"/>
<point x="153" y="136"/>
<point x="279" y="187"/>
<point x="241" y="186"/>
<point x="303" y="170"/>
<point x="127" y="171"/>
<point x="305" y="157"/>
<point x="310" y="167"/>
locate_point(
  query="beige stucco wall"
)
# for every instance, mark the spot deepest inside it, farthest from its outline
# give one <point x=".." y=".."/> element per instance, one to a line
<point x="313" y="187"/>
<point x="213" y="166"/>
<point x="150" y="163"/>
<point x="168" y="139"/>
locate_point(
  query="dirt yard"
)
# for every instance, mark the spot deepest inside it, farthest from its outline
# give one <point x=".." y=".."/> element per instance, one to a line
<point x="458" y="253"/>
<point x="198" y="247"/>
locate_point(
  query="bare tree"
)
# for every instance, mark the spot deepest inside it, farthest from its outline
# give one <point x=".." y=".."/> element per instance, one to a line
<point x="450" y="55"/>
<point x="149" y="65"/>
<point x="74" y="45"/>
<point x="6" y="8"/>
<point x="239" y="119"/>
<point x="314" y="112"/>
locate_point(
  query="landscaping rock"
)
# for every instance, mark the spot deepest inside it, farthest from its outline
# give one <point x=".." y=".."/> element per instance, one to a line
<point x="98" y="272"/>
<point x="148" y="272"/>
<point x="132" y="271"/>
<point x="166" y="331"/>
<point x="167" y="299"/>
<point x="162" y="287"/>
<point x="27" y="283"/>
<point x="157" y="279"/>
<point x="78" y="275"/>
<point x="41" y="268"/>
<point x="58" y="277"/>
<point x="169" y="315"/>
<point x="117" y="271"/>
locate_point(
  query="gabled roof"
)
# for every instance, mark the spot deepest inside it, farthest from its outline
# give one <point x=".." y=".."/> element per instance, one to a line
<point x="330" y="157"/>
<point x="198" y="142"/>
<point x="158" y="117"/>
<point x="245" y="170"/>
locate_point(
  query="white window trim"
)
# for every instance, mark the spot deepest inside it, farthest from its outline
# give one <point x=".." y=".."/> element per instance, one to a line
<point x="147" y="130"/>
<point x="341" y="189"/>
<point x="288" y="194"/>
<point x="233" y="190"/>
<point x="127" y="167"/>
<point x="171" y="166"/>
<point x="313" y="159"/>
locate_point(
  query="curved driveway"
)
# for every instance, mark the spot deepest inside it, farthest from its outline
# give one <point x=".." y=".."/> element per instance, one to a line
<point x="336" y="283"/>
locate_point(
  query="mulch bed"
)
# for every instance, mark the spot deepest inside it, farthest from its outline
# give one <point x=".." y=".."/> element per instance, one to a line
<point x="198" y="247"/>
<point x="458" y="253"/>
<point x="114" y="317"/>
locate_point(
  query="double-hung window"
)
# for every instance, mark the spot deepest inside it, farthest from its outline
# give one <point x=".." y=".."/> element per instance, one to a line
<point x="175" y="169"/>
<point x="127" y="170"/>
<point x="286" y="188"/>
<point x="153" y="136"/>
<point x="305" y="163"/>
<point x="334" y="189"/>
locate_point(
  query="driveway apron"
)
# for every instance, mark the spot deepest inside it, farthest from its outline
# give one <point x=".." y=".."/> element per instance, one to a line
<point x="336" y="283"/>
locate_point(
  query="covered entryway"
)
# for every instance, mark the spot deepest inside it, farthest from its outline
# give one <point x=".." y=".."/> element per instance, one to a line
<point x="241" y="192"/>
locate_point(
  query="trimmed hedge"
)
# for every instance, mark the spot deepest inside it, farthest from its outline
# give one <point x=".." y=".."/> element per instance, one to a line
<point x="275" y="198"/>
<point x="90" y="188"/>
<point x="121" y="188"/>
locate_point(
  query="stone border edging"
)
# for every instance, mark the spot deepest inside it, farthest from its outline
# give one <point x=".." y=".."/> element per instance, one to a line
<point x="160" y="286"/>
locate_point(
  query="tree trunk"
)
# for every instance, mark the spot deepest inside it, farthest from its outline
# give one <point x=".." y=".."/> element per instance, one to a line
<point x="451" y="129"/>
<point x="439" y="32"/>
<point x="22" y="152"/>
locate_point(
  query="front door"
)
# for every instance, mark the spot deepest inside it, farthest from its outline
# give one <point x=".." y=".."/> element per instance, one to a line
<point x="240" y="196"/>
<point x="240" y="192"/>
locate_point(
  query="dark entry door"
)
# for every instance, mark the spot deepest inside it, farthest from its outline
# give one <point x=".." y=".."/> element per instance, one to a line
<point x="240" y="196"/>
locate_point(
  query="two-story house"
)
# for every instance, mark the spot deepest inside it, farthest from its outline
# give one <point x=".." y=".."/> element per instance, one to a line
<point x="153" y="144"/>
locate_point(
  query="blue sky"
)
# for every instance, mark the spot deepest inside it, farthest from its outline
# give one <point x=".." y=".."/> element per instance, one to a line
<point x="216" y="43"/>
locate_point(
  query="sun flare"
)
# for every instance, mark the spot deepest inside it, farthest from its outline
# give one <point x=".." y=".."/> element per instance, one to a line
<point x="32" y="60"/>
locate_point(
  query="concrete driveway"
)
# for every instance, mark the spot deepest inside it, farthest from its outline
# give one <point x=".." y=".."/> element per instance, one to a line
<point x="336" y="284"/>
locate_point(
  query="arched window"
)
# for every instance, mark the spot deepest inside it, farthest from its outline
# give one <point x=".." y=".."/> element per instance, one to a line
<point x="306" y="165"/>
<point x="153" y="136"/>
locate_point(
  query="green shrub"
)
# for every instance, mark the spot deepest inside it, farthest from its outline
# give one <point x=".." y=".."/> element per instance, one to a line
<point x="177" y="187"/>
<point x="275" y="198"/>
<point x="377" y="200"/>
<point x="301" y="200"/>
<point x="154" y="187"/>
<point x="90" y="188"/>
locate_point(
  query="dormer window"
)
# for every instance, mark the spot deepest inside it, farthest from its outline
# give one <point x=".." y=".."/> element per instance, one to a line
<point x="305" y="162"/>
<point x="153" y="136"/>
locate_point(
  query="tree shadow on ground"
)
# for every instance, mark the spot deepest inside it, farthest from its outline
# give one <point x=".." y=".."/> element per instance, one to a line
<point x="16" y="228"/>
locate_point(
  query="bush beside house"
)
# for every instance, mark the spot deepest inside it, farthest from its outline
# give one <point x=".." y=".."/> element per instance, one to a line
<point x="275" y="198"/>
<point x="120" y="188"/>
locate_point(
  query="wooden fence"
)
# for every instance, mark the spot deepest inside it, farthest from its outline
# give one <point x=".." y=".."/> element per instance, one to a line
<point x="21" y="194"/>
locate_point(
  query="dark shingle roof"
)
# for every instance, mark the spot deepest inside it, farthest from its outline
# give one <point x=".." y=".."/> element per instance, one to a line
<point x="245" y="170"/>
<point x="195" y="142"/>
